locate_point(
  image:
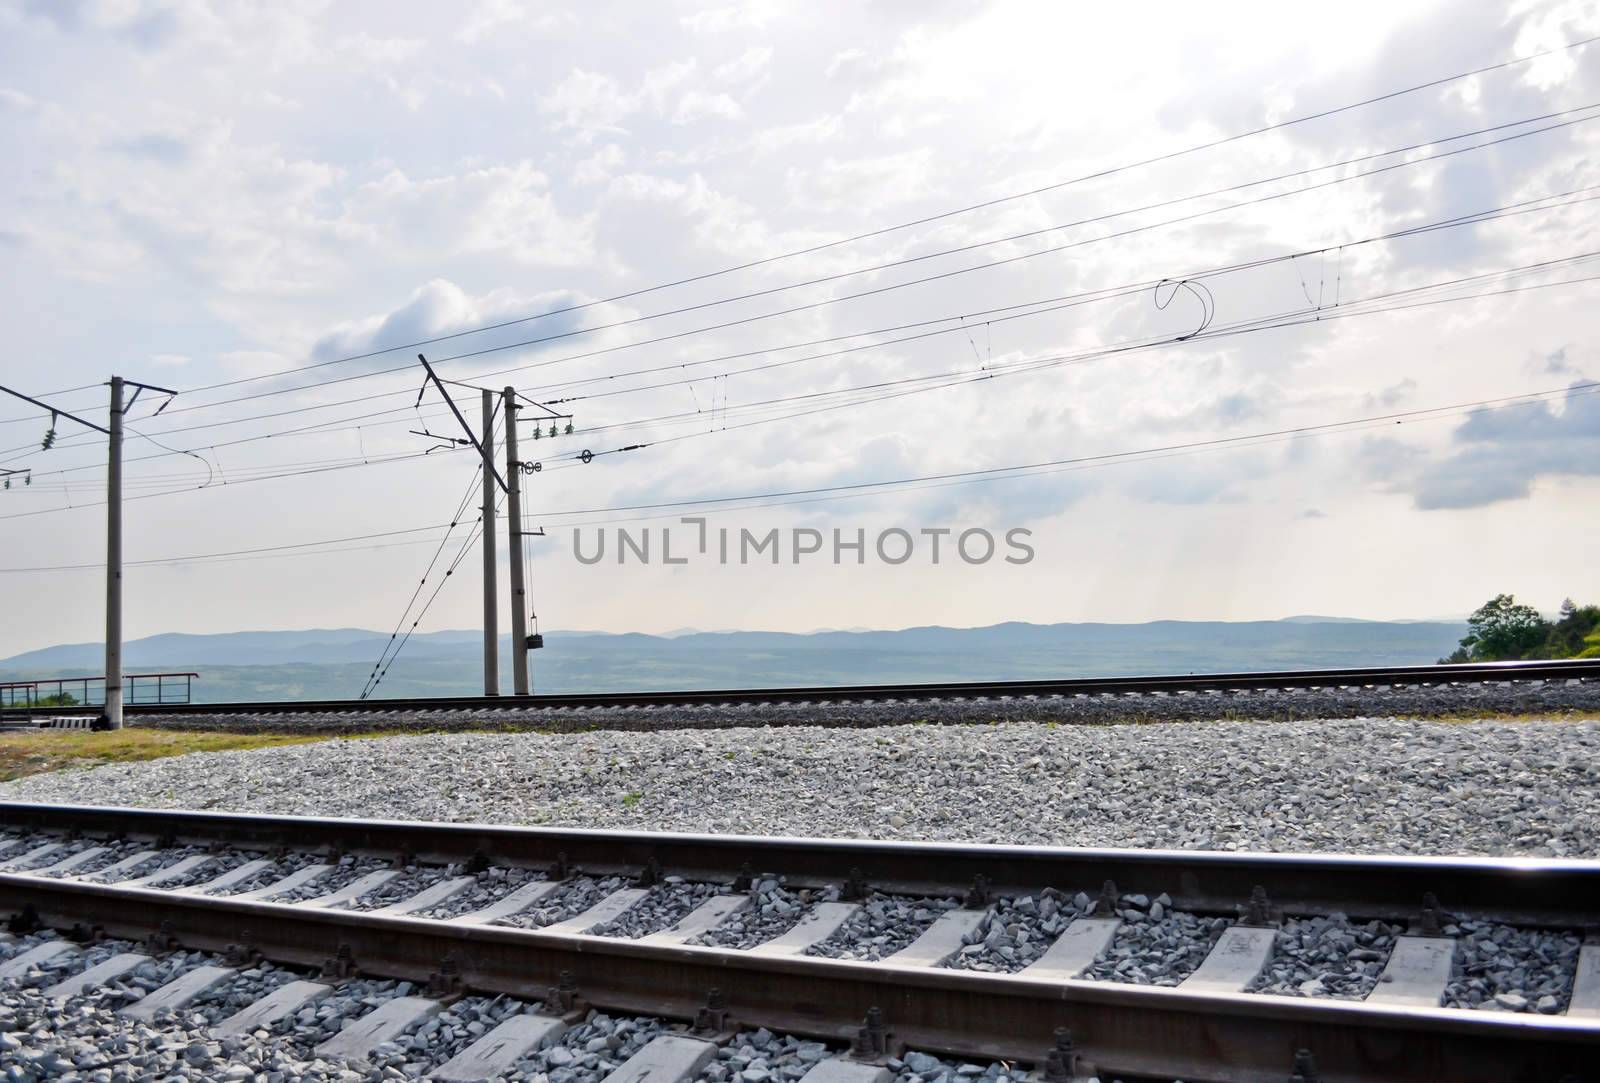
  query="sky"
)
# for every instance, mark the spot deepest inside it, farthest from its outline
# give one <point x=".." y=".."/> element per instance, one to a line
<point x="787" y="255"/>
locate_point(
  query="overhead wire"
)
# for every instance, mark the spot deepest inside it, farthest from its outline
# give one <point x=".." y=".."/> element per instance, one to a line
<point x="938" y="277"/>
<point x="386" y="658"/>
<point x="898" y="388"/>
<point x="991" y="473"/>
<point x="1099" y="174"/>
<point x="195" y="558"/>
<point x="1477" y="217"/>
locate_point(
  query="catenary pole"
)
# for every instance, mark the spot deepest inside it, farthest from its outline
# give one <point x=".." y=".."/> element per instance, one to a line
<point x="112" y="718"/>
<point x="491" y="624"/>
<point x="519" y="593"/>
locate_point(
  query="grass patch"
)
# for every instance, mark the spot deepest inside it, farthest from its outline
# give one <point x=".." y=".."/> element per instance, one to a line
<point x="24" y="754"/>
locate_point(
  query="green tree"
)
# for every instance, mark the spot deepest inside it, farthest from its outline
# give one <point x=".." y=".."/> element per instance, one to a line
<point x="1571" y="635"/>
<point x="1502" y="629"/>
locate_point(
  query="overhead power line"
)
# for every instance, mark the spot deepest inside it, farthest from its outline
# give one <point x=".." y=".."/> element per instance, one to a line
<point x="741" y="502"/>
<point x="200" y="557"/>
<point x="885" y="390"/>
<point x="1589" y="110"/>
<point x="831" y="301"/>
<point x="1099" y="174"/>
<point x="702" y="504"/>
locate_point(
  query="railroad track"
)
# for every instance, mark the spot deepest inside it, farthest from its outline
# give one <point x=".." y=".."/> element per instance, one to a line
<point x="723" y="934"/>
<point x="1170" y="685"/>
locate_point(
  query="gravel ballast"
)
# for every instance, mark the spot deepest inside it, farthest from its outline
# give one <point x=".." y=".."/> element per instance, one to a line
<point x="771" y="911"/>
<point x="1355" y="785"/>
<point x="1152" y="950"/>
<point x="1500" y="968"/>
<point x="666" y="905"/>
<point x="572" y="898"/>
<point x="882" y="926"/>
<point x="1327" y="956"/>
<point x="1017" y="932"/>
<point x="1412" y="701"/>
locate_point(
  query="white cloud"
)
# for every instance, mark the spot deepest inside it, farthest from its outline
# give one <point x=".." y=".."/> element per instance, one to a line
<point x="170" y="360"/>
<point x="600" y="165"/>
<point x="17" y="101"/>
<point x="490" y="18"/>
<point x="747" y="66"/>
<point x="588" y="100"/>
<point x="820" y="130"/>
<point x="849" y="58"/>
<point x="380" y="51"/>
<point x="754" y="14"/>
<point x="698" y="105"/>
<point x="506" y="210"/>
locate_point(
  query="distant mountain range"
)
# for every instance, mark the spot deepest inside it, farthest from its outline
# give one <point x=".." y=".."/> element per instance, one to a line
<point x="335" y="663"/>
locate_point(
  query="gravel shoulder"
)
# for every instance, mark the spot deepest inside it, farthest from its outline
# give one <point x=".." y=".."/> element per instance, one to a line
<point x="1350" y="785"/>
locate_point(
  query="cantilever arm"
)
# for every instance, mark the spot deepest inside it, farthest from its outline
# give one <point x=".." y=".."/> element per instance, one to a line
<point x="487" y="458"/>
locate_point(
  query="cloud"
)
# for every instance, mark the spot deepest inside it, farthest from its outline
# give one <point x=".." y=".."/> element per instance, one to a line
<point x="507" y="210"/>
<point x="600" y="165"/>
<point x="493" y="17"/>
<point x="698" y="105"/>
<point x="1555" y="363"/>
<point x="171" y="360"/>
<point x="147" y="26"/>
<point x="592" y="104"/>
<point x="439" y="308"/>
<point x="381" y="51"/>
<point x="849" y="58"/>
<point x="821" y="130"/>
<point x="1503" y="453"/>
<point x="155" y="146"/>
<point x="757" y="13"/>
<point x="742" y="69"/>
<point x="588" y="100"/>
<point x="17" y="101"/>
<point x="1394" y="395"/>
<point x="1312" y="513"/>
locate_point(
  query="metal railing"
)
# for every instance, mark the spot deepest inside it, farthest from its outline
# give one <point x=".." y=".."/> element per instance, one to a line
<point x="23" y="699"/>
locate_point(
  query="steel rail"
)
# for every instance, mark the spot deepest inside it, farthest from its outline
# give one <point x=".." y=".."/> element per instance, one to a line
<point x="1127" y="1030"/>
<point x="1544" y="892"/>
<point x="1360" y="677"/>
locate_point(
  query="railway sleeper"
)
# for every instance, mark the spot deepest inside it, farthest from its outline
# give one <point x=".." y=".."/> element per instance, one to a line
<point x="1417" y="970"/>
<point x="377" y="1036"/>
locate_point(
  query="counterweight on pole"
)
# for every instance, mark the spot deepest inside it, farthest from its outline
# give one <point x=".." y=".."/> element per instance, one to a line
<point x="519" y="594"/>
<point x="491" y="626"/>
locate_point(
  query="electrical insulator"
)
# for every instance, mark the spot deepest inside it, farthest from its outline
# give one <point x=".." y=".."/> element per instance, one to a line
<point x="569" y="428"/>
<point x="49" y="439"/>
<point x="537" y="432"/>
<point x="553" y="428"/>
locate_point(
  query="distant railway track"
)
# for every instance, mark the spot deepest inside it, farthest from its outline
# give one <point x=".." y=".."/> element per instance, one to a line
<point x="1170" y="684"/>
<point x="1207" y="1028"/>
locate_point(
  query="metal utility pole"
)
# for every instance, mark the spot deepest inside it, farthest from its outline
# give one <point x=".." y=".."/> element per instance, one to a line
<point x="519" y="592"/>
<point x="113" y="712"/>
<point x="112" y="717"/>
<point x="491" y="623"/>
